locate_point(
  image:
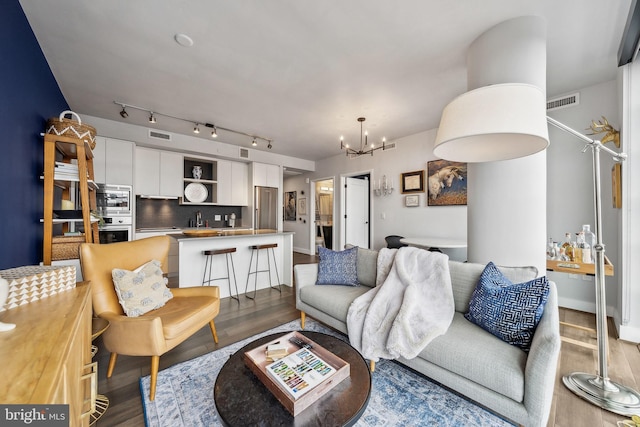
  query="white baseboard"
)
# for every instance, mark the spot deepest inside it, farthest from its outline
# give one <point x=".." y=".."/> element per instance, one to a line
<point x="629" y="333"/>
<point x="586" y="306"/>
<point x="305" y="251"/>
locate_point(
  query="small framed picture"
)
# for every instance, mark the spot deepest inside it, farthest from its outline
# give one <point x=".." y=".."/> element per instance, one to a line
<point x="412" y="182"/>
<point x="302" y="206"/>
<point x="616" y="189"/>
<point x="411" y="201"/>
<point x="290" y="206"/>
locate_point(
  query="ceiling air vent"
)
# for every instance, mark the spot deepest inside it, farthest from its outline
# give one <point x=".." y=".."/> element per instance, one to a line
<point x="159" y="135"/>
<point x="244" y="153"/>
<point x="563" y="102"/>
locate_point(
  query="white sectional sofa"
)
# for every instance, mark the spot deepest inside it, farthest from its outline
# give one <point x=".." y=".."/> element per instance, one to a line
<point x="515" y="384"/>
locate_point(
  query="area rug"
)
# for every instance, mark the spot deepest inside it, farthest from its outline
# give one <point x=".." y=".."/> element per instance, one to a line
<point x="399" y="396"/>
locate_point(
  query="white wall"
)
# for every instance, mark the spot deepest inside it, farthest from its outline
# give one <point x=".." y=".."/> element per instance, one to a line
<point x="412" y="153"/>
<point x="570" y="193"/>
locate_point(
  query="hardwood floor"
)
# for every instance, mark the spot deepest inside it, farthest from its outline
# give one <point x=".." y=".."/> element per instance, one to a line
<point x="238" y="321"/>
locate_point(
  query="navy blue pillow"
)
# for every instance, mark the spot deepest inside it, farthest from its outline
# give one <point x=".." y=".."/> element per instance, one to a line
<point x="338" y="268"/>
<point x="509" y="311"/>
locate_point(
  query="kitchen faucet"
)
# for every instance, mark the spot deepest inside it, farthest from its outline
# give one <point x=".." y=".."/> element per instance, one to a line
<point x="198" y="219"/>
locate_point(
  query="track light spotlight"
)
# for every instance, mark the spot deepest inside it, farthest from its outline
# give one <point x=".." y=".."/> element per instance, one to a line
<point x="124" y="113"/>
<point x="254" y="143"/>
<point x="152" y="118"/>
<point x="269" y="146"/>
<point x="196" y="129"/>
<point x="214" y="133"/>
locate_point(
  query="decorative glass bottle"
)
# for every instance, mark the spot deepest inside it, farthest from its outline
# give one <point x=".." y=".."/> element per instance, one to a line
<point x="568" y="247"/>
<point x="590" y="238"/>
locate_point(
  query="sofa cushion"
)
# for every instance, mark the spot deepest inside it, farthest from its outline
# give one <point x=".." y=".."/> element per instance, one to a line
<point x="367" y="262"/>
<point x="465" y="276"/>
<point x="470" y="351"/>
<point x="509" y="311"/>
<point x="332" y="299"/>
<point x="141" y="290"/>
<point x="338" y="267"/>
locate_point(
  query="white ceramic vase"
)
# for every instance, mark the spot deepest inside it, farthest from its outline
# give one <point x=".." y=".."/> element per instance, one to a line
<point x="4" y="293"/>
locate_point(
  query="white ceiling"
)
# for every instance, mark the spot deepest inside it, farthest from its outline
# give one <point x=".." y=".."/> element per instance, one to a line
<point x="301" y="72"/>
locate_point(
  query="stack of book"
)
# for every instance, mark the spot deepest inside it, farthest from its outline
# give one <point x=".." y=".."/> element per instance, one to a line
<point x="65" y="171"/>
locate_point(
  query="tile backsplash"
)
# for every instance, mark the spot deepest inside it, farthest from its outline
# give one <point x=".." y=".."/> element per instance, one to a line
<point x="156" y="213"/>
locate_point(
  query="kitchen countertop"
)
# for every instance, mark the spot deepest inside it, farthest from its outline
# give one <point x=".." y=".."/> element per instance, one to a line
<point x="203" y="233"/>
<point x="178" y="229"/>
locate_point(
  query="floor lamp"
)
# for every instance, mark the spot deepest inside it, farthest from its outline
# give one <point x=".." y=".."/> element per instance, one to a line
<point x="507" y="121"/>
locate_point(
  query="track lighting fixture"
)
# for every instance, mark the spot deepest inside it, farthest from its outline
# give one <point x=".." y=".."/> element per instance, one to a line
<point x="196" y="127"/>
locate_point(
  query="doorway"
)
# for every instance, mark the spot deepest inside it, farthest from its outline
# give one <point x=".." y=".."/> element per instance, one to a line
<point x="324" y="205"/>
<point x="356" y="208"/>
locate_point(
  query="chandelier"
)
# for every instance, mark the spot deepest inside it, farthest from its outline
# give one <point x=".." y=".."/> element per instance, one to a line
<point x="364" y="143"/>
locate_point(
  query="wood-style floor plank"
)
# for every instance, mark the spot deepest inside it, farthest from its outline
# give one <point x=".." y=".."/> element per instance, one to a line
<point x="238" y="321"/>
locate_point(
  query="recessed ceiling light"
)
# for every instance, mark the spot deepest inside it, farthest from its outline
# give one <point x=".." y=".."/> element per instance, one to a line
<point x="183" y="40"/>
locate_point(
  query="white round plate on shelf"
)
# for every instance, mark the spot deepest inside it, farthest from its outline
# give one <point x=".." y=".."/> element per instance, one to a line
<point x="196" y="192"/>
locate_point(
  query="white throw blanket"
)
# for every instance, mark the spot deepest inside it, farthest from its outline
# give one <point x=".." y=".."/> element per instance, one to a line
<point x="410" y="306"/>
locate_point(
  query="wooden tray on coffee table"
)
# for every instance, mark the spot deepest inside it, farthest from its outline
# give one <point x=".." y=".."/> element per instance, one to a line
<point x="256" y="360"/>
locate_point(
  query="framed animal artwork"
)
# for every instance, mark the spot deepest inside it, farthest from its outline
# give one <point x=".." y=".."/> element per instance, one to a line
<point x="447" y="183"/>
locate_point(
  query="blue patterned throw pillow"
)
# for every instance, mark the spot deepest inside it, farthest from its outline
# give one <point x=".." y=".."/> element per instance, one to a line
<point x="338" y="268"/>
<point x="509" y="311"/>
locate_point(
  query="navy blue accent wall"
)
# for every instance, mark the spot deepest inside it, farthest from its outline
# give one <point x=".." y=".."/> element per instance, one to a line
<point x="29" y="95"/>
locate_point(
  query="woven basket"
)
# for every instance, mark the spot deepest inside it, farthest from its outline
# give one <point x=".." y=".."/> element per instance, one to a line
<point x="61" y="126"/>
<point x="66" y="247"/>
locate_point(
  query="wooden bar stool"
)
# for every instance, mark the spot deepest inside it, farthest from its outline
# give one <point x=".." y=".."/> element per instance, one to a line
<point x="228" y="259"/>
<point x="255" y="249"/>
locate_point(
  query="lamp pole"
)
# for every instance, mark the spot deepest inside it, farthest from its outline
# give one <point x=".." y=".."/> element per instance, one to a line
<point x="599" y="389"/>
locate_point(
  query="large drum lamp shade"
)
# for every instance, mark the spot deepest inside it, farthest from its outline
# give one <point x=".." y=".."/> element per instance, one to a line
<point x="497" y="122"/>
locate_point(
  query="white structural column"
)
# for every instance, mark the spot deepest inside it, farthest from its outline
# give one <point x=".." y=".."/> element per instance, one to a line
<point x="506" y="204"/>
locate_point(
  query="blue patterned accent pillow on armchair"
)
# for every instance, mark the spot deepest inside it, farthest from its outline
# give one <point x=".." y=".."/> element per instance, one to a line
<point x="509" y="311"/>
<point x="338" y="268"/>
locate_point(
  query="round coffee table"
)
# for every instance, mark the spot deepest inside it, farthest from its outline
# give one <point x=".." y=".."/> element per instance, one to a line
<point x="241" y="399"/>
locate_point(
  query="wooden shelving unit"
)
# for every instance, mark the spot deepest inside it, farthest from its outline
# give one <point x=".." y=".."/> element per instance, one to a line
<point x="70" y="148"/>
<point x="578" y="267"/>
<point x="573" y="267"/>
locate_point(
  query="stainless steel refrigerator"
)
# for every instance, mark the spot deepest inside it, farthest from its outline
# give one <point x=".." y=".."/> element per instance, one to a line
<point x="266" y="203"/>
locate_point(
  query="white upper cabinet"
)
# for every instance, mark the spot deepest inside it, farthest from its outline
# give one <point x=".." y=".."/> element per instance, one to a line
<point x="158" y="173"/>
<point x="232" y="183"/>
<point x="171" y="174"/>
<point x="265" y="175"/>
<point x="239" y="184"/>
<point x="113" y="161"/>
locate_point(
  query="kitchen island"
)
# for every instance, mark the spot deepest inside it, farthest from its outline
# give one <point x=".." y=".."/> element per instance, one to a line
<point x="191" y="261"/>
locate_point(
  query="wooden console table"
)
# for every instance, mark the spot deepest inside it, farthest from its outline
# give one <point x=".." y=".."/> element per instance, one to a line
<point x="573" y="267"/>
<point x="46" y="359"/>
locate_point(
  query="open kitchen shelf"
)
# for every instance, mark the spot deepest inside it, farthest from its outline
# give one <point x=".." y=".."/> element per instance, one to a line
<point x="68" y="148"/>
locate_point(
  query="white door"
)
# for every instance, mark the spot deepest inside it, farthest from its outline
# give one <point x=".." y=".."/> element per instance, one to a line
<point x="357" y="212"/>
